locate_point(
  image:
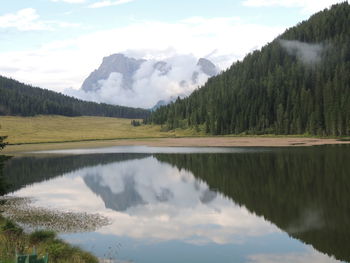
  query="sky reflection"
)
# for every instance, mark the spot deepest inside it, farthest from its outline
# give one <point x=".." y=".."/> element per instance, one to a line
<point x="154" y="206"/>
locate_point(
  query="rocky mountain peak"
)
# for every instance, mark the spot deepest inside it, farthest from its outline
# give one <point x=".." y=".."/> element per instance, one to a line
<point x="122" y="79"/>
<point x="207" y="67"/>
<point x="119" y="63"/>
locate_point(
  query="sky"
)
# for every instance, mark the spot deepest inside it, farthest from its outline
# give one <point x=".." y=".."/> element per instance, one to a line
<point x="55" y="44"/>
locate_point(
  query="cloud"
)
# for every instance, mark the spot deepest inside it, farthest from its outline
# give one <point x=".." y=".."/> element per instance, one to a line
<point x="310" y="219"/>
<point x="63" y="24"/>
<point x="70" y="1"/>
<point x="167" y="204"/>
<point x="107" y="3"/>
<point x="310" y="256"/>
<point x="29" y="20"/>
<point x="62" y="64"/>
<point x="309" y="54"/>
<point x="24" y="20"/>
<point x="150" y="85"/>
<point x="309" y="6"/>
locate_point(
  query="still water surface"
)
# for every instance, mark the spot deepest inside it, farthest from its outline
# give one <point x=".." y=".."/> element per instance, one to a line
<point x="199" y="204"/>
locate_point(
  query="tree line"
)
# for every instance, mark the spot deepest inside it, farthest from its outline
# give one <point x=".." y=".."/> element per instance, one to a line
<point x="274" y="90"/>
<point x="20" y="99"/>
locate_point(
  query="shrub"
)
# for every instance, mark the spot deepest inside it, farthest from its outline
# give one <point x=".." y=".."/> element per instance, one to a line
<point x="11" y="228"/>
<point x="41" y="236"/>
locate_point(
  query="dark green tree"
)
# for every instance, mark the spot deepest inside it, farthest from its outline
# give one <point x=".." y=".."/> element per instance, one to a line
<point x="2" y="143"/>
<point x="20" y="99"/>
<point x="277" y="89"/>
<point x="2" y="160"/>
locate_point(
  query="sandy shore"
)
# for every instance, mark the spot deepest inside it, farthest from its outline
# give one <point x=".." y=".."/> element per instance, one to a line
<point x="180" y="142"/>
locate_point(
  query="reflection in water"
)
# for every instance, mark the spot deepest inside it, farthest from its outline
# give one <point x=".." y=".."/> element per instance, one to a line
<point x="304" y="191"/>
<point x="310" y="256"/>
<point x="157" y="200"/>
<point x="203" y="207"/>
<point x="145" y="182"/>
<point x="3" y="183"/>
<point x="19" y="172"/>
<point x="118" y="201"/>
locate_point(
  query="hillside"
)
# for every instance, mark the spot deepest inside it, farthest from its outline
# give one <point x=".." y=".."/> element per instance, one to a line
<point x="297" y="84"/>
<point x="19" y="99"/>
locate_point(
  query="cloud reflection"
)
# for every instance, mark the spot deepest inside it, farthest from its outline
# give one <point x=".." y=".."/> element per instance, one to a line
<point x="309" y="255"/>
<point x="147" y="199"/>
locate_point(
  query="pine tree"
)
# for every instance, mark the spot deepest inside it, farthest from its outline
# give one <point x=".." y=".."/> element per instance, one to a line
<point x="275" y="91"/>
<point x="2" y="143"/>
<point x="20" y="99"/>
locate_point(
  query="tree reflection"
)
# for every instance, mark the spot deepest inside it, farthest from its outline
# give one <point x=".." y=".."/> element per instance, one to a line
<point x="304" y="191"/>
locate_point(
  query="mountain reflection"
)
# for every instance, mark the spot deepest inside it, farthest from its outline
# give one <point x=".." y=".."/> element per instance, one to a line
<point x="146" y="198"/>
<point x="223" y="198"/>
<point x="120" y="201"/>
<point x="143" y="182"/>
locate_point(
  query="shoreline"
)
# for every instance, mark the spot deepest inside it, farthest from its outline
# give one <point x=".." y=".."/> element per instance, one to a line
<point x="45" y="242"/>
<point x="225" y="141"/>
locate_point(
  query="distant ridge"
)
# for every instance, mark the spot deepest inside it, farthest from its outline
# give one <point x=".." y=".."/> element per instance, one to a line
<point x="20" y="99"/>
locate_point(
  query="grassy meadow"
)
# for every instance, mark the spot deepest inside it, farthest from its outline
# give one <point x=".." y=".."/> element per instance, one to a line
<point x="46" y="129"/>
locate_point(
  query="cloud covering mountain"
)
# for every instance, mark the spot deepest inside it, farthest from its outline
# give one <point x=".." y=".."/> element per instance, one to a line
<point x="127" y="81"/>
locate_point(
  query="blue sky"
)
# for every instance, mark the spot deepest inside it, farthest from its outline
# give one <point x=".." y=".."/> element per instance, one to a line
<point x="55" y="44"/>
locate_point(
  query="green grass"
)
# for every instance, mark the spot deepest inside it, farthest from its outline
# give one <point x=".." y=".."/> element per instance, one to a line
<point x="57" y="129"/>
<point x="44" y="129"/>
<point x="13" y="238"/>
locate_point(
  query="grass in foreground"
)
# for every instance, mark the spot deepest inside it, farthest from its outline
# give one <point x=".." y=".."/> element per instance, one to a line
<point x="13" y="237"/>
<point x="56" y="129"/>
<point x="41" y="129"/>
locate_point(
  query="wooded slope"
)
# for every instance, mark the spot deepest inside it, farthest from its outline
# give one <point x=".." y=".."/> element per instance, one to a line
<point x="297" y="84"/>
<point x="20" y="99"/>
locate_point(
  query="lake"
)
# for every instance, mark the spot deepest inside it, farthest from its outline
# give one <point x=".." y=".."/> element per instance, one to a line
<point x="202" y="204"/>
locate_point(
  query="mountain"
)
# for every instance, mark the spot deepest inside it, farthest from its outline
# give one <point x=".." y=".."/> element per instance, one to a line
<point x="162" y="103"/>
<point x="128" y="81"/>
<point x="21" y="99"/>
<point x="113" y="63"/>
<point x="207" y="67"/>
<point x="297" y="84"/>
<point x="128" y="67"/>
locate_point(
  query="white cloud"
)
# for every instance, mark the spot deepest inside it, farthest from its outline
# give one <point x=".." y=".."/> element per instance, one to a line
<point x="173" y="204"/>
<point x="62" y="64"/>
<point x="149" y="85"/>
<point x="70" y="1"/>
<point x="63" y="24"/>
<point x="29" y="20"/>
<point x="310" y="256"/>
<point x="309" y="6"/>
<point x="109" y="3"/>
<point x="309" y="54"/>
<point x="24" y="20"/>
